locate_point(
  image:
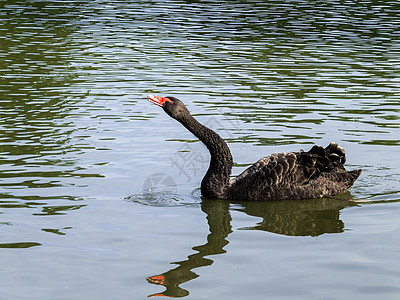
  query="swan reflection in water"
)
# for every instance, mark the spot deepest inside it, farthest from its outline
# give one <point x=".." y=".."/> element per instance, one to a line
<point x="292" y="218"/>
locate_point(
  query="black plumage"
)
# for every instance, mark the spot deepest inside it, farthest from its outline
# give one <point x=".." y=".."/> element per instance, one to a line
<point x="316" y="173"/>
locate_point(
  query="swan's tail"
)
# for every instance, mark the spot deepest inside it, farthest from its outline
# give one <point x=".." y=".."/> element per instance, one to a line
<point x="320" y="160"/>
<point x="353" y="175"/>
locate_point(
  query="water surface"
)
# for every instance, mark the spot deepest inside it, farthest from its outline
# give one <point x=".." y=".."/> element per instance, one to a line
<point x="99" y="189"/>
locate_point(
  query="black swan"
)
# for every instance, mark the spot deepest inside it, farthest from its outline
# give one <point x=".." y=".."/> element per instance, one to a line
<point x="294" y="175"/>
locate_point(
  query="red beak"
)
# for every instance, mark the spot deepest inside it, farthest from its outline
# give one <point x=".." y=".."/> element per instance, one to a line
<point x="158" y="100"/>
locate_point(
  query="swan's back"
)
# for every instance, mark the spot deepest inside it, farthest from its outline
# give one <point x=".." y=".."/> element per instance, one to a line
<point x="295" y="175"/>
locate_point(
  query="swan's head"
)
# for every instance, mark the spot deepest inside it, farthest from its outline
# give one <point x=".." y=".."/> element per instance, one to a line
<point x="171" y="105"/>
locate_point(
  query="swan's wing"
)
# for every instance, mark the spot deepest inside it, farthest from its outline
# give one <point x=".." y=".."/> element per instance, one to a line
<point x="300" y="174"/>
<point x="269" y="170"/>
<point x="295" y="167"/>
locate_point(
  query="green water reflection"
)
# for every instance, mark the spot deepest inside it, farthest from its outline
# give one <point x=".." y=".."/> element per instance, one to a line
<point x="20" y="245"/>
<point x="36" y="153"/>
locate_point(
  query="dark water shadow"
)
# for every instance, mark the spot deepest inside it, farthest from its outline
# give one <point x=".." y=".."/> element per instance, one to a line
<point x="292" y="218"/>
<point x="219" y="222"/>
<point x="311" y="217"/>
<point x="20" y="245"/>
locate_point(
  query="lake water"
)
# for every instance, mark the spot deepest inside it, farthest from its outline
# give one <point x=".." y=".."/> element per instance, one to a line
<point x="100" y="189"/>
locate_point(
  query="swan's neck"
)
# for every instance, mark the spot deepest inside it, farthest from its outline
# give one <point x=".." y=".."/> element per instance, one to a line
<point x="216" y="180"/>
